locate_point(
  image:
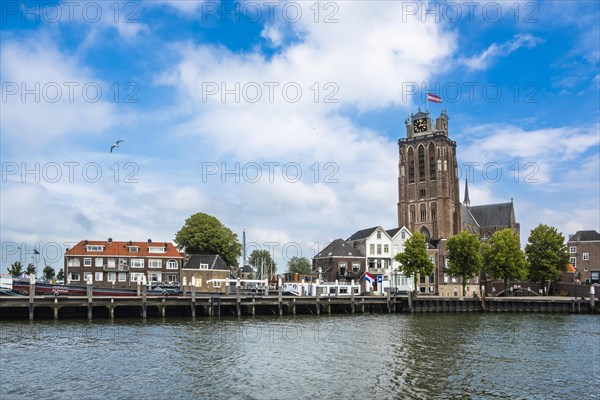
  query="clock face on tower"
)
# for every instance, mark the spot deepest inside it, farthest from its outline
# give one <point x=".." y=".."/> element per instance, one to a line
<point x="419" y="125"/>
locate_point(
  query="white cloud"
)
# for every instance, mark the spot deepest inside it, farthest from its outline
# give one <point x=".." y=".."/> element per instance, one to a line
<point x="485" y="59"/>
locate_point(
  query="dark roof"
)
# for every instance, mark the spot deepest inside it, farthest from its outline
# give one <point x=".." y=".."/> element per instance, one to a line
<point x="585" y="236"/>
<point x="339" y="248"/>
<point x="246" y="268"/>
<point x="466" y="216"/>
<point x="362" y="234"/>
<point x="392" y="232"/>
<point x="214" y="261"/>
<point x="493" y="214"/>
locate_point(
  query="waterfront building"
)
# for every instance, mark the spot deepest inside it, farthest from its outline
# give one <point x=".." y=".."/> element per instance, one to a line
<point x="340" y="261"/>
<point x="584" y="254"/>
<point x="123" y="264"/>
<point x="207" y="272"/>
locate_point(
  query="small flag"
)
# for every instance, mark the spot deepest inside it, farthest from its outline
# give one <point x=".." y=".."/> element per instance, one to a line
<point x="35" y="251"/>
<point x="369" y="278"/>
<point x="434" y="98"/>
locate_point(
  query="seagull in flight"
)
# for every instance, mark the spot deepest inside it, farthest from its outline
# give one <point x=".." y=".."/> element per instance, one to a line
<point x="115" y="145"/>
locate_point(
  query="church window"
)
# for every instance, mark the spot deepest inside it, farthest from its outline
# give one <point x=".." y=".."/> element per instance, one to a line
<point x="422" y="193"/>
<point x="412" y="214"/>
<point x="423" y="213"/>
<point x="421" y="164"/>
<point x="433" y="212"/>
<point x="411" y="166"/>
<point x="431" y="161"/>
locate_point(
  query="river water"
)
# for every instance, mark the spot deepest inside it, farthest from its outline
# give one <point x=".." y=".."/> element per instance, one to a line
<point x="376" y="356"/>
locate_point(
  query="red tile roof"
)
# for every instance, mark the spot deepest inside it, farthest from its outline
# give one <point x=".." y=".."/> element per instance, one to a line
<point x="121" y="249"/>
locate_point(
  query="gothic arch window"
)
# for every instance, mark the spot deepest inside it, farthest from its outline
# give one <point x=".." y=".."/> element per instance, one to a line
<point x="413" y="214"/>
<point x="433" y="212"/>
<point x="411" y="166"/>
<point x="431" y="154"/>
<point x="423" y="212"/>
<point x="421" y="163"/>
<point x="425" y="233"/>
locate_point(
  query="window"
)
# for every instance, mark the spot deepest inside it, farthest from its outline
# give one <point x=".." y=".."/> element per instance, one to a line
<point x="378" y="249"/>
<point x="216" y="284"/>
<point x="431" y="161"/>
<point x="73" y="277"/>
<point x="411" y="166"/>
<point x="137" y="263"/>
<point x="342" y="268"/>
<point x="421" y="164"/>
<point x="371" y="249"/>
<point x="171" y="264"/>
<point x="355" y="267"/>
<point x="421" y="278"/>
<point x="154" y="263"/>
<point x="154" y="276"/>
<point x="446" y="279"/>
<point x="90" y="247"/>
<point x="203" y="266"/>
<point x="378" y="234"/>
<point x="586" y="256"/>
<point x="99" y="276"/>
<point x="73" y="262"/>
<point x="87" y="262"/>
<point x="573" y="261"/>
<point x="386" y="248"/>
<point x="413" y="214"/>
<point x="133" y="249"/>
<point x="403" y="235"/>
<point x="433" y="212"/>
<point x="422" y="193"/>
<point x="595" y="276"/>
<point x="573" y="249"/>
<point x="423" y="213"/>
<point x="112" y="263"/>
<point x="112" y="277"/>
<point x="454" y="280"/>
<point x="432" y="278"/>
<point x="123" y="262"/>
<point x="136" y="276"/>
<point x="122" y="277"/>
<point x="157" y="249"/>
<point x="172" y="278"/>
<point x="343" y="290"/>
<point x="98" y="262"/>
<point x="86" y="276"/>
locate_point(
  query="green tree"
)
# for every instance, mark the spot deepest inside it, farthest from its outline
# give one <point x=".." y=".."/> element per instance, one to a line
<point x="464" y="257"/>
<point x="547" y="254"/>
<point x="414" y="260"/>
<point x="48" y="273"/>
<point x="299" y="265"/>
<point x="503" y="257"/>
<point x="30" y="269"/>
<point x="261" y="260"/>
<point x="16" y="269"/>
<point x="205" y="234"/>
<point x="61" y="275"/>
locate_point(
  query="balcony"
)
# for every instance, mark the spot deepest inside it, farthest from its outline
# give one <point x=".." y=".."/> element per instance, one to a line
<point x="379" y="271"/>
<point x="120" y="268"/>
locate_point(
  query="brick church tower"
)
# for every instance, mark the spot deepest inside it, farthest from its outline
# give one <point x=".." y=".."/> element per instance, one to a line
<point x="428" y="178"/>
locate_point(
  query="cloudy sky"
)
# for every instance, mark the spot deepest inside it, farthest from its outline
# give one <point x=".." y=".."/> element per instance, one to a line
<point x="282" y="118"/>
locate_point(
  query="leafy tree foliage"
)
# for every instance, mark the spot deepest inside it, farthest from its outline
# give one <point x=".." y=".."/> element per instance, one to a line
<point x="547" y="254"/>
<point x="464" y="257"/>
<point x="261" y="260"/>
<point x="48" y="273"/>
<point x="30" y="269"/>
<point x="205" y="234"/>
<point x="60" y="275"/>
<point x="414" y="260"/>
<point x="299" y="265"/>
<point x="503" y="257"/>
<point x="16" y="269"/>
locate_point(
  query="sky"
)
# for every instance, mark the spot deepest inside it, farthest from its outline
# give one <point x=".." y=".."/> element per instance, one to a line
<point x="282" y="118"/>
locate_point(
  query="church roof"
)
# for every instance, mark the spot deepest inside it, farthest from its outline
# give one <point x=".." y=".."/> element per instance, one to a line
<point x="466" y="216"/>
<point x="493" y="214"/>
<point x="585" y="236"/>
<point x="339" y="248"/>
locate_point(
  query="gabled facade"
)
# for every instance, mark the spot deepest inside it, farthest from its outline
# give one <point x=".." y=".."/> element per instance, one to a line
<point x="584" y="254"/>
<point x="122" y="264"/>
<point x="340" y="261"/>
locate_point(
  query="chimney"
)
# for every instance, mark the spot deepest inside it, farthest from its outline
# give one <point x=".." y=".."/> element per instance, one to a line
<point x="149" y="241"/>
<point x="109" y="240"/>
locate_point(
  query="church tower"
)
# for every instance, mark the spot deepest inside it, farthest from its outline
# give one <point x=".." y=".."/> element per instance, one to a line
<point x="428" y="178"/>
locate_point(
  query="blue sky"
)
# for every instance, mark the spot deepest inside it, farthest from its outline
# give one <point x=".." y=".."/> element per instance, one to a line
<point x="282" y="118"/>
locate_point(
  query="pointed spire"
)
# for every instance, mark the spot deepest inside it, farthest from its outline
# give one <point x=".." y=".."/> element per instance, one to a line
<point x="467" y="201"/>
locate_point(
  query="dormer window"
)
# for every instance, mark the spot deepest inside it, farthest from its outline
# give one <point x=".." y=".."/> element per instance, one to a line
<point x="157" y="249"/>
<point x="203" y="266"/>
<point x="90" y="247"/>
<point x="133" y="249"/>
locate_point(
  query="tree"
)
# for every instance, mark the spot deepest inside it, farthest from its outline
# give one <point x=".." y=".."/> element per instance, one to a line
<point x="16" y="269"/>
<point x="504" y="258"/>
<point x="299" y="265"/>
<point x="204" y="234"/>
<point x="30" y="269"/>
<point x="414" y="260"/>
<point x="48" y="273"/>
<point x="464" y="257"/>
<point x="61" y="275"/>
<point x="261" y="260"/>
<point x="547" y="254"/>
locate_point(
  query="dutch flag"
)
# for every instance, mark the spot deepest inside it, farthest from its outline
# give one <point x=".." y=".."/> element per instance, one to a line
<point x="369" y="278"/>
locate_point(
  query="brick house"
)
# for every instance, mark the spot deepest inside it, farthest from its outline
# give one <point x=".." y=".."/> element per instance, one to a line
<point x="340" y="261"/>
<point x="205" y="269"/>
<point x="584" y="254"/>
<point x="122" y="264"/>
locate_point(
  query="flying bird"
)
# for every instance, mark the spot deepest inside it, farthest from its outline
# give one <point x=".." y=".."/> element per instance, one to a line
<point x="115" y="145"/>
